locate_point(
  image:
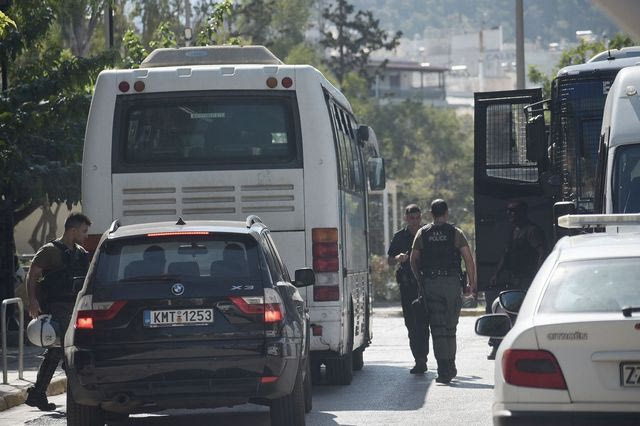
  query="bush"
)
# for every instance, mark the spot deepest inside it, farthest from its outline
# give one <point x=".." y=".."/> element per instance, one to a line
<point x="383" y="280"/>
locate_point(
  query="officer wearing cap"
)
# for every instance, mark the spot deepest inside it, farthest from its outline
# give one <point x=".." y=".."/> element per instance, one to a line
<point x="399" y="252"/>
<point x="50" y="290"/>
<point x="438" y="249"/>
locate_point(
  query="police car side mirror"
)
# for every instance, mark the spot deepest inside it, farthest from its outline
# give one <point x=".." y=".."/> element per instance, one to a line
<point x="78" y="282"/>
<point x="304" y="277"/>
<point x="493" y="325"/>
<point x="511" y="300"/>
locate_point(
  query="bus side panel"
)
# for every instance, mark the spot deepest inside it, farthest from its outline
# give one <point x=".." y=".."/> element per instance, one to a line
<point x="96" y="161"/>
<point x="323" y="199"/>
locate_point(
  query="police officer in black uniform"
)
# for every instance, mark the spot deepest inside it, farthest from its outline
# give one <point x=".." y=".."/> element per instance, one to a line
<point x="51" y="290"/>
<point x="438" y="249"/>
<point x="523" y="255"/>
<point x="399" y="252"/>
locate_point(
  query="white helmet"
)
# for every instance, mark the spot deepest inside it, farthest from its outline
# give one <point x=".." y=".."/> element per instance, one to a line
<point x="43" y="331"/>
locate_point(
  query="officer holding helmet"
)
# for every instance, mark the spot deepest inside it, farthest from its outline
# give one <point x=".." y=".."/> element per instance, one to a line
<point x="438" y="249"/>
<point x="399" y="252"/>
<point x="51" y="291"/>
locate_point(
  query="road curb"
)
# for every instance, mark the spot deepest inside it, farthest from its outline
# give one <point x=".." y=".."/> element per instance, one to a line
<point x="384" y="313"/>
<point x="57" y="386"/>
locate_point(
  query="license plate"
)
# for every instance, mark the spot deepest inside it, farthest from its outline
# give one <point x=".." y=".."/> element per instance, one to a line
<point x="630" y="374"/>
<point x="178" y="317"/>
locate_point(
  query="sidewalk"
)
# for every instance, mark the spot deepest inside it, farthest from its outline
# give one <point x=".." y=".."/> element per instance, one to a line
<point x="394" y="309"/>
<point x="15" y="391"/>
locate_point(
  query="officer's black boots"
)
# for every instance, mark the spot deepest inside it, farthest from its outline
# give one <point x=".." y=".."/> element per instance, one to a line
<point x="419" y="368"/>
<point x="446" y="370"/>
<point x="39" y="400"/>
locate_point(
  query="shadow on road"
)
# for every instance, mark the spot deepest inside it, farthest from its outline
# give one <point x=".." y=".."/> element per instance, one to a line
<point x="467" y="382"/>
<point x="377" y="387"/>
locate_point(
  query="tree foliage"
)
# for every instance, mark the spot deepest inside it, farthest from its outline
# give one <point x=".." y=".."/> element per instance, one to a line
<point x="351" y="37"/>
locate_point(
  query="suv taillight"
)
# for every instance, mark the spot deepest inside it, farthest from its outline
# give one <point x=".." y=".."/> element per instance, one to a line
<point x="270" y="307"/>
<point x="532" y="368"/>
<point x="326" y="264"/>
<point x="89" y="312"/>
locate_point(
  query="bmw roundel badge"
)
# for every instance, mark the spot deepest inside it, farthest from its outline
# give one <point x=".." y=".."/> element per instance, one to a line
<point x="177" y="289"/>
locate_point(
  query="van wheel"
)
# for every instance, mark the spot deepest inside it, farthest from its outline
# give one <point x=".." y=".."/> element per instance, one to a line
<point x="358" y="359"/>
<point x="308" y="397"/>
<point x="82" y="415"/>
<point x="289" y="410"/>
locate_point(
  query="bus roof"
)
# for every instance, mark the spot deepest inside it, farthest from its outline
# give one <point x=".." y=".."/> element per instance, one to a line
<point x="210" y="55"/>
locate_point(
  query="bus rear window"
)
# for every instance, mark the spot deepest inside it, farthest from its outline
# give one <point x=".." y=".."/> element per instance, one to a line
<point x="188" y="131"/>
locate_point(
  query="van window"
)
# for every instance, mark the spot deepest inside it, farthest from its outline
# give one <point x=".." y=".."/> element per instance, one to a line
<point x="216" y="131"/>
<point x="188" y="258"/>
<point x="626" y="180"/>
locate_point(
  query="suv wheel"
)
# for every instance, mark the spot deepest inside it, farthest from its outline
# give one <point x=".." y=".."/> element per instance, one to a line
<point x="82" y="415"/>
<point x="308" y="400"/>
<point x="289" y="410"/>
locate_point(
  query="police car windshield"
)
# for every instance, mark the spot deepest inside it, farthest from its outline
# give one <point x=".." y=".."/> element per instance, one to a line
<point x="187" y="258"/>
<point x="602" y="285"/>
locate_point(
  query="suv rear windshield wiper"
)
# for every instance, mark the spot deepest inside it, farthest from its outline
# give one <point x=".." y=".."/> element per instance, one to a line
<point x="143" y="278"/>
<point x="628" y="310"/>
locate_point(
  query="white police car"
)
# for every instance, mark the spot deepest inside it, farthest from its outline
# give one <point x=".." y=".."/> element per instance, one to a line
<point x="573" y="355"/>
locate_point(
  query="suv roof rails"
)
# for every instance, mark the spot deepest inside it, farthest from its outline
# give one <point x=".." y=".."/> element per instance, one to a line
<point x="252" y="219"/>
<point x="114" y="226"/>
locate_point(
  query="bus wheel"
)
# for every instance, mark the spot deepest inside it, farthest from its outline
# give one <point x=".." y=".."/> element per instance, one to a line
<point x="358" y="359"/>
<point x="340" y="370"/>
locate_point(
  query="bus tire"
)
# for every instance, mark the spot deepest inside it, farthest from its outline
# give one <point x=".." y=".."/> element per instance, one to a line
<point x="289" y="410"/>
<point x="340" y="370"/>
<point x="83" y="415"/>
<point x="358" y="359"/>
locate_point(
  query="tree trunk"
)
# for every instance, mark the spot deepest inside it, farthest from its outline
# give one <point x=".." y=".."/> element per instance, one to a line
<point x="7" y="253"/>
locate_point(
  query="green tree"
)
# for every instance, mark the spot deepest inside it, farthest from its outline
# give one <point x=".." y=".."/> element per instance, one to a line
<point x="42" y="119"/>
<point x="351" y="37"/>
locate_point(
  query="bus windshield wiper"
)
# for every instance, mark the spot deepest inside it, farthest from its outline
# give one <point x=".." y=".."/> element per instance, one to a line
<point x="142" y="278"/>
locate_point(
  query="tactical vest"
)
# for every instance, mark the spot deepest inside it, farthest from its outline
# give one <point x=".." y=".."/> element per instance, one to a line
<point x="439" y="253"/>
<point x="57" y="285"/>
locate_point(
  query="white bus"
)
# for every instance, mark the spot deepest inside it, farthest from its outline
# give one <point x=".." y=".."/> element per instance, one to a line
<point x="225" y="132"/>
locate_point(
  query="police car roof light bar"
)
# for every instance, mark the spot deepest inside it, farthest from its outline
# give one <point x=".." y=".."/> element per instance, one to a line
<point x="598" y="220"/>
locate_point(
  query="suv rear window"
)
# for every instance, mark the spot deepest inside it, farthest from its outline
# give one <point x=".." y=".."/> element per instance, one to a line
<point x="188" y="258"/>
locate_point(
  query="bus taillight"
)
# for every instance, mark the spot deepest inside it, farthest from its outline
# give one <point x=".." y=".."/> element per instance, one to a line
<point x="91" y="243"/>
<point x="326" y="262"/>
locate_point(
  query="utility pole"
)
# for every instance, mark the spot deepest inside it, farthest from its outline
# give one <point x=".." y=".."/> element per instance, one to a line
<point x="108" y="25"/>
<point x="187" y="20"/>
<point x="520" y="83"/>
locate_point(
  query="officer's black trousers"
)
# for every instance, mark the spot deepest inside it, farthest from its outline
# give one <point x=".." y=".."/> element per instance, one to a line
<point x="418" y="330"/>
<point x="60" y="313"/>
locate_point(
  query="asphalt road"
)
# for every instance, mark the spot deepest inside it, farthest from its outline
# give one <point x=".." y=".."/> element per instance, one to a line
<point x="383" y="393"/>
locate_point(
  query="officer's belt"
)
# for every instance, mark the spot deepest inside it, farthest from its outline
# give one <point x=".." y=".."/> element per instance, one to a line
<point x="434" y="273"/>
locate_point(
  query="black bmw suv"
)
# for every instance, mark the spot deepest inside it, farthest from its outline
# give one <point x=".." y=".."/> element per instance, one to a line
<point x="188" y="315"/>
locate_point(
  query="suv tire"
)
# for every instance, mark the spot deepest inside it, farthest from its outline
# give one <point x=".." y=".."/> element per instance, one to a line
<point x="308" y="397"/>
<point x="83" y="415"/>
<point x="289" y="410"/>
